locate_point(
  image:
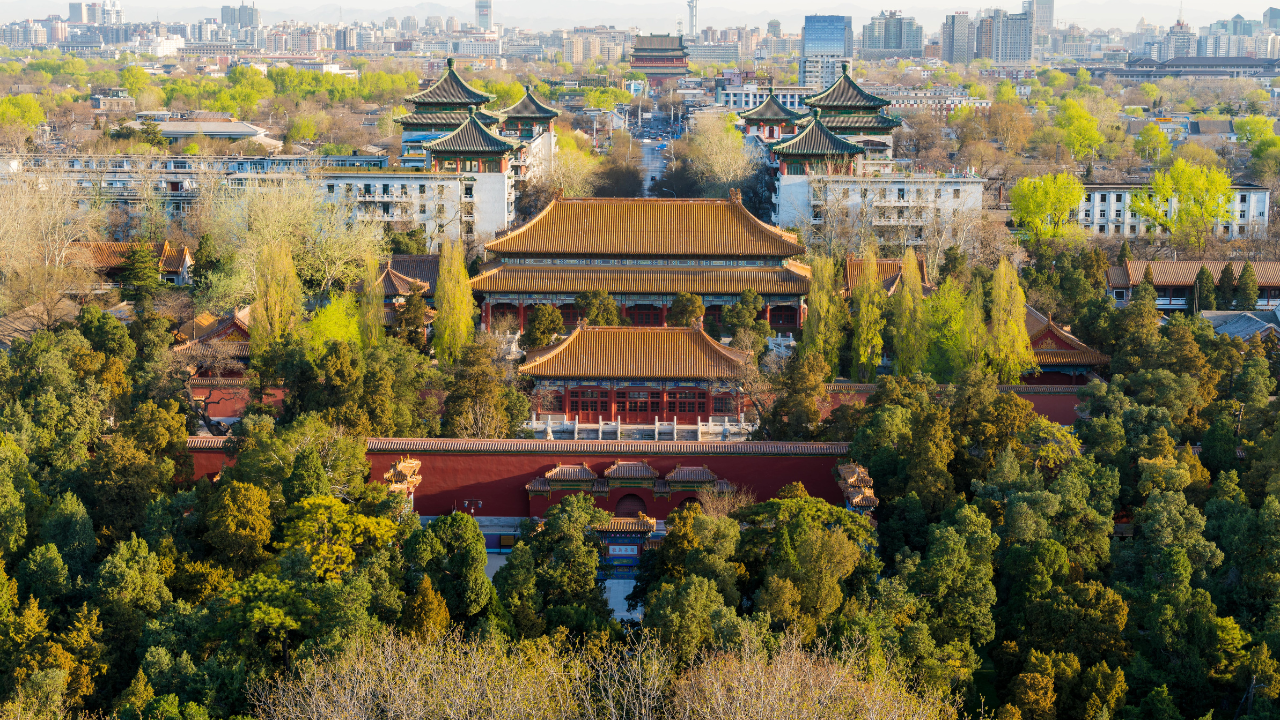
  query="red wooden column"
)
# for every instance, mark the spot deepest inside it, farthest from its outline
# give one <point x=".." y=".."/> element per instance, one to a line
<point x="521" y="316"/>
<point x="622" y="312"/>
<point x="487" y="315"/>
<point x="662" y="311"/>
<point x="767" y="308"/>
<point x="664" y="414"/>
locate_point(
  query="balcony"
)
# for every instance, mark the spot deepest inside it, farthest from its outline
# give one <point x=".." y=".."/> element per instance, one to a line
<point x="385" y="197"/>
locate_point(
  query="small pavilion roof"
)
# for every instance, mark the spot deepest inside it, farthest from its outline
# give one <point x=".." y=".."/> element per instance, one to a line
<point x="450" y="89"/>
<point x="472" y="137"/>
<point x="1053" y="345"/>
<point x="816" y="140"/>
<point x="845" y="94"/>
<point x="530" y="106"/>
<point x="770" y="109"/>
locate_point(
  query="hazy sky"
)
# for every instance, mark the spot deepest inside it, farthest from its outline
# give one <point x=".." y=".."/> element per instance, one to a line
<point x="659" y="16"/>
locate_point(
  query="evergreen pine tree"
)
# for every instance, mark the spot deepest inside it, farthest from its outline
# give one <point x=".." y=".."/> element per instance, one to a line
<point x="1247" y="289"/>
<point x="141" y="276"/>
<point x="1206" y="299"/>
<point x="1126" y="254"/>
<point x="1226" y="294"/>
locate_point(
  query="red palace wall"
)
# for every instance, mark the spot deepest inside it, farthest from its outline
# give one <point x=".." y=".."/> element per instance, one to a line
<point x="495" y="472"/>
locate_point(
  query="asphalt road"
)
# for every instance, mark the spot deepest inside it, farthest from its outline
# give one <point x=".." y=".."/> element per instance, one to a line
<point x="653" y="161"/>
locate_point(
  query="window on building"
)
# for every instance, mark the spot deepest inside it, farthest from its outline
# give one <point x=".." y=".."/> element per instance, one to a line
<point x="1242" y="212"/>
<point x="902" y="193"/>
<point x="468" y="190"/>
<point x="1244" y="198"/>
<point x="422" y="189"/>
<point x="1088" y="197"/>
<point x="937" y="194"/>
<point x="722" y="405"/>
<point x="330" y="188"/>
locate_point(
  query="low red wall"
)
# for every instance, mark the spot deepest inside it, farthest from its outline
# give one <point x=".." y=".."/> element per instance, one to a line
<point x="495" y="472"/>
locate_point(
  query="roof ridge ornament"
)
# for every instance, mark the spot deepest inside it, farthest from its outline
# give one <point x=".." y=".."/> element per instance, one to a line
<point x="449" y="62"/>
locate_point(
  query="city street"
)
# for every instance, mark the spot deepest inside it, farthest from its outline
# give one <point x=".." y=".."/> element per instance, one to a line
<point x="654" y="162"/>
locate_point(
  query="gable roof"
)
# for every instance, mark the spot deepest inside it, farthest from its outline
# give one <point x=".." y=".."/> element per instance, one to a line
<point x="472" y="137"/>
<point x="630" y="469"/>
<point x="647" y="226"/>
<point x="888" y="272"/>
<point x="423" y="269"/>
<point x="770" y="109"/>
<point x="845" y="94"/>
<point x="1182" y="273"/>
<point x="816" y="139"/>
<point x="530" y="106"/>
<point x="1243" y="324"/>
<point x="1212" y="127"/>
<point x="104" y="256"/>
<point x="1053" y="345"/>
<point x="634" y="352"/>
<point x="450" y="89"/>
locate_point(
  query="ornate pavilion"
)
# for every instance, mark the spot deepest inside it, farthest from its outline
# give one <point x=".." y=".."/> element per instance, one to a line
<point x="854" y="114"/>
<point x="637" y="375"/>
<point x="643" y="252"/>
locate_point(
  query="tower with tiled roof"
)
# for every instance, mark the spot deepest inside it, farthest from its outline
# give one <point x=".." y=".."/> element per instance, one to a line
<point x="643" y="252"/>
<point x="443" y="107"/>
<point x="659" y="57"/>
<point x="528" y="118"/>
<point x="771" y="120"/>
<point x="851" y="112"/>
<point x="816" y="150"/>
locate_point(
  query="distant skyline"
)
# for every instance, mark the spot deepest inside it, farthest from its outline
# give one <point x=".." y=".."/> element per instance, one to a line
<point x="662" y="16"/>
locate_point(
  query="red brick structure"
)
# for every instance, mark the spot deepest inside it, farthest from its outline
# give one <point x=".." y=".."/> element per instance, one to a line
<point x="629" y="477"/>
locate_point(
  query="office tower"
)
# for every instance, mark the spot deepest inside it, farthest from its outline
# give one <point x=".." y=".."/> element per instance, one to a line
<point x="484" y="14"/>
<point x="775" y="28"/>
<point x="435" y="24"/>
<point x="830" y="35"/>
<point x="229" y="15"/>
<point x="693" y="15"/>
<point x="391" y="24"/>
<point x="75" y="12"/>
<point x="409" y="24"/>
<point x="1271" y="18"/>
<point x="452" y="25"/>
<point x="1181" y="41"/>
<point x="957" y="39"/>
<point x="889" y="34"/>
<point x="249" y="16"/>
<point x="1044" y="14"/>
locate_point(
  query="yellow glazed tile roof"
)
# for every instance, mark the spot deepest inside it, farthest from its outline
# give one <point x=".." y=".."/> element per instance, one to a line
<point x="665" y="227"/>
<point x="634" y="352"/>
<point x="790" y="279"/>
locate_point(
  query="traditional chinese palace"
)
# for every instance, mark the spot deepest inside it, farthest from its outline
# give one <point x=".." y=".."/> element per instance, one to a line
<point x="643" y="251"/>
<point x="637" y="375"/>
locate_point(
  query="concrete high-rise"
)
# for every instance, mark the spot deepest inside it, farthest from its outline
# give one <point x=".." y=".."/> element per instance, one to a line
<point x="484" y="14"/>
<point x="229" y="16"/>
<point x="957" y="38"/>
<point x="889" y="34"/>
<point x="75" y="12"/>
<point x="1044" y="14"/>
<point x="775" y="29"/>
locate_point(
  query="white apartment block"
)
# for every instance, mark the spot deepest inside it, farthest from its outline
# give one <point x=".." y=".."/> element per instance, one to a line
<point x="744" y="97"/>
<point x="1105" y="211"/>
<point x="898" y="206"/>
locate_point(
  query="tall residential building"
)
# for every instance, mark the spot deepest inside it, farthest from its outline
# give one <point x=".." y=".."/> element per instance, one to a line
<point x="75" y="12"/>
<point x="409" y="24"/>
<point x="889" y="34"/>
<point x="344" y="39"/>
<point x="391" y="24"/>
<point x="1005" y="38"/>
<point x="1044" y="14"/>
<point x="484" y="14"/>
<point x="452" y="25"/>
<point x="957" y="39"/>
